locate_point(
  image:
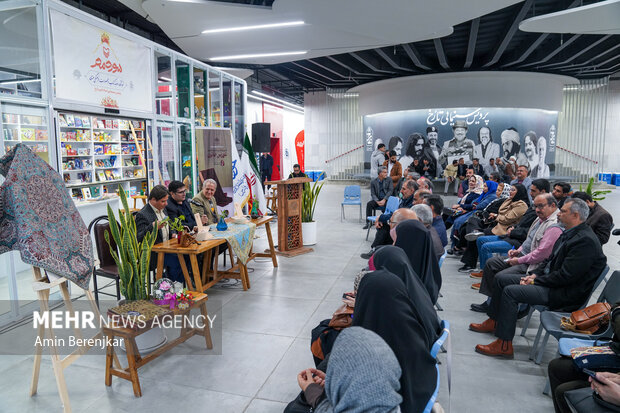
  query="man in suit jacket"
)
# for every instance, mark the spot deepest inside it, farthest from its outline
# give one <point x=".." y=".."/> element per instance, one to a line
<point x="381" y="189"/>
<point x="178" y="205"/>
<point x="574" y="266"/>
<point x="155" y="212"/>
<point x="599" y="219"/>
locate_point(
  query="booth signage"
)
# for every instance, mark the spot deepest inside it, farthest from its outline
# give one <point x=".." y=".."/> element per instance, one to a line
<point x="98" y="68"/>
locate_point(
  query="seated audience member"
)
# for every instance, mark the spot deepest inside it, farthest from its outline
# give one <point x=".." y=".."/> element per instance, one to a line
<point x="380" y="190"/>
<point x="491" y="169"/>
<point x="565" y="376"/>
<point x="464" y="184"/>
<point x="516" y="234"/>
<point x="599" y="219"/>
<point x="204" y="203"/>
<point x="449" y="175"/>
<point x="561" y="191"/>
<point x="178" y="205"/>
<point x="297" y="172"/>
<point x="400" y="215"/>
<point x="395" y="170"/>
<point x="495" y="177"/>
<point x="462" y="213"/>
<point x="466" y="203"/>
<point x="522" y="178"/>
<point x="480" y="220"/>
<point x="425" y="216"/>
<point x="573" y="268"/>
<point x="382" y="236"/>
<point x="383" y="306"/>
<point x="541" y="237"/>
<point x="436" y="204"/>
<point x="461" y="172"/>
<point x="420" y="195"/>
<point x="394" y="260"/>
<point x="425" y="183"/>
<point x="363" y="375"/>
<point x="511" y="168"/>
<point x="510" y="212"/>
<point x="428" y="168"/>
<point x="413" y="238"/>
<point x="155" y="211"/>
<point x="501" y="167"/>
<point x="477" y="167"/>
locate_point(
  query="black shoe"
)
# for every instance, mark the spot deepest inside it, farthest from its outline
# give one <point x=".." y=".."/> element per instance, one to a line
<point x="480" y="308"/>
<point x="368" y="254"/>
<point x="366" y="226"/>
<point x="523" y="313"/>
<point x="452" y="251"/>
<point x="466" y="268"/>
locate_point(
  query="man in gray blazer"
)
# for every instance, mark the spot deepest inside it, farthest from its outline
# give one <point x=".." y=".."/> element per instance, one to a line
<point x="381" y="189"/>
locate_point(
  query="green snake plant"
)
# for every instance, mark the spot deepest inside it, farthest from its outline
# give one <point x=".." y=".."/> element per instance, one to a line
<point x="309" y="198"/>
<point x="132" y="257"/>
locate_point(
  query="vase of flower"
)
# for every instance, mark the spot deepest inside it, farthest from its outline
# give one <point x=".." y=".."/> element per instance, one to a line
<point x="222" y="225"/>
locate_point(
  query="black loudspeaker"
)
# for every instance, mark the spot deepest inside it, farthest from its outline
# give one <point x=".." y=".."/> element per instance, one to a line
<point x="261" y="137"/>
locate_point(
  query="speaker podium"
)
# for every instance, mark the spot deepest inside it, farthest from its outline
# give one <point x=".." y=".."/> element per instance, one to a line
<point x="290" y="237"/>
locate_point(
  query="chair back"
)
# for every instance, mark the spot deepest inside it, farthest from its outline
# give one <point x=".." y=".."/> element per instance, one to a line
<point x="445" y="327"/>
<point x="611" y="292"/>
<point x="98" y="227"/>
<point x="352" y="193"/>
<point x="391" y="204"/>
<point x="442" y="258"/>
<point x="433" y="399"/>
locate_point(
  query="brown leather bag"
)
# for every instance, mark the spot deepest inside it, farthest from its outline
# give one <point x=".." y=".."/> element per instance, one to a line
<point x="342" y="317"/>
<point x="587" y="320"/>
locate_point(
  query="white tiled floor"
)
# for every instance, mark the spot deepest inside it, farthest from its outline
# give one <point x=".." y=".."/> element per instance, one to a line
<point x="265" y="342"/>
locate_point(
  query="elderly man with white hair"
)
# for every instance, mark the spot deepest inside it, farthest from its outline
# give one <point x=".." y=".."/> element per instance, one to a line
<point x="425" y="216"/>
<point x="204" y="203"/>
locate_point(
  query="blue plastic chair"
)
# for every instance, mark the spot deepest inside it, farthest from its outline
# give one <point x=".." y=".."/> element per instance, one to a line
<point x="445" y="337"/>
<point x="390" y="206"/>
<point x="352" y="196"/>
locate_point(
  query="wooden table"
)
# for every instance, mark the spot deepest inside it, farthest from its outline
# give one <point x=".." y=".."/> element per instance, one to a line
<point x="210" y="277"/>
<point x="135" y="360"/>
<point x="172" y="247"/>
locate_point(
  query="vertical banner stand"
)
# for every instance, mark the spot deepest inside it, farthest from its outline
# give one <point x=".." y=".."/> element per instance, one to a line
<point x="42" y="286"/>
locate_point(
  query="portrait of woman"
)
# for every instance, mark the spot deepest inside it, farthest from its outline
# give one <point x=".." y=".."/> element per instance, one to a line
<point x="485" y="149"/>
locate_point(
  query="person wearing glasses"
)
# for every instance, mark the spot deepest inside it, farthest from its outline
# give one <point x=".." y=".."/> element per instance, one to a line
<point x="178" y="204"/>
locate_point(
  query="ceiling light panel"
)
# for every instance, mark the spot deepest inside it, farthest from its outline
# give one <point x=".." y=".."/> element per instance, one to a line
<point x="255" y="27"/>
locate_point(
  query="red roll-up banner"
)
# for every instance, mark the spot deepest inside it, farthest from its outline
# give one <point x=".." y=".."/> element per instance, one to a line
<point x="299" y="147"/>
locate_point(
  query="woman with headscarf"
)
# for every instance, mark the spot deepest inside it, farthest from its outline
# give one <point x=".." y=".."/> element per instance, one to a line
<point x="394" y="260"/>
<point x="383" y="306"/>
<point x="466" y="203"/>
<point x="487" y="196"/>
<point x="415" y="239"/>
<point x="509" y="213"/>
<point x="363" y="375"/>
<point x="479" y="220"/>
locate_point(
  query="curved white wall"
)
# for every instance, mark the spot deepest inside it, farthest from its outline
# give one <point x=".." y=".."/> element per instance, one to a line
<point x="467" y="89"/>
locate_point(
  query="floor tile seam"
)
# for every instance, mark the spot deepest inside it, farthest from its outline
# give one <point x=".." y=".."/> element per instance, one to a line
<point x="278" y="296"/>
<point x="262" y="334"/>
<point x="274" y="369"/>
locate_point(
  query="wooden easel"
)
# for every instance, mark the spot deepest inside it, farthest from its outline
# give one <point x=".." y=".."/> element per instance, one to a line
<point x="42" y="286"/>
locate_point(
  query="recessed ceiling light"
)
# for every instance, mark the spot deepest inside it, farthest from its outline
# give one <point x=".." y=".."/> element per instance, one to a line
<point x="255" y="27"/>
<point x="252" y="56"/>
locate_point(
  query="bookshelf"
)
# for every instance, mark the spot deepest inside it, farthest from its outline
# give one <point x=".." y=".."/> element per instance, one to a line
<point x="98" y="154"/>
<point x="19" y="125"/>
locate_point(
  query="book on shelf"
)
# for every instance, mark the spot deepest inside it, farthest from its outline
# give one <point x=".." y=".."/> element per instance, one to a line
<point x="108" y="174"/>
<point x="101" y="176"/>
<point x="86" y="121"/>
<point x="133" y="191"/>
<point x="41" y="135"/>
<point x="98" y="149"/>
<point x="70" y="120"/>
<point x="86" y="195"/>
<point x="9" y="118"/>
<point x="78" y="121"/>
<point x="62" y="120"/>
<point x="28" y="134"/>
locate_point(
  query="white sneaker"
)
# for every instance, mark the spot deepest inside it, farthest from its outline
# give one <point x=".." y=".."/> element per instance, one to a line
<point x="472" y="236"/>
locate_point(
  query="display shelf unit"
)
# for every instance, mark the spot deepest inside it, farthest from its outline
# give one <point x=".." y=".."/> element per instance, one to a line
<point x="99" y="154"/>
<point x="18" y="126"/>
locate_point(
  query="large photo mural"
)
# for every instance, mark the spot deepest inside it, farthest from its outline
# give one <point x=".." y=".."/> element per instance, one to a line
<point x="429" y="140"/>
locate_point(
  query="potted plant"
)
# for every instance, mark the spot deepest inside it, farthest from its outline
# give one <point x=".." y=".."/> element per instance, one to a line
<point x="133" y="260"/>
<point x="183" y="232"/>
<point x="596" y="195"/>
<point x="309" y="198"/>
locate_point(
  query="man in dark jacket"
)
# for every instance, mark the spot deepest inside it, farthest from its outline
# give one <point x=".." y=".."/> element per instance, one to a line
<point x="382" y="237"/>
<point x="178" y="205"/>
<point x="599" y="219"/>
<point x="266" y="165"/>
<point x="380" y="190"/>
<point x="573" y="267"/>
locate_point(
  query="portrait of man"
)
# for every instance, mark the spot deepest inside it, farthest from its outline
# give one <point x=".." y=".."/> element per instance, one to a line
<point x="396" y="145"/>
<point x="511" y="146"/>
<point x="486" y="148"/>
<point x="459" y="146"/>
